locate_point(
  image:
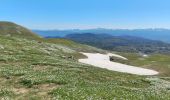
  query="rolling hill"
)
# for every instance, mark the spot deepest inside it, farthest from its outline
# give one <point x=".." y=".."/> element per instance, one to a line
<point x="12" y="29"/>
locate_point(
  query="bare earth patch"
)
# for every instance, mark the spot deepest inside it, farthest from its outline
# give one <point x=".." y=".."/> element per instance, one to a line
<point x="21" y="90"/>
<point x="45" y="88"/>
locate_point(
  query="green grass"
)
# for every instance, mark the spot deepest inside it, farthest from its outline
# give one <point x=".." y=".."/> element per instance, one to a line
<point x="11" y="29"/>
<point x="75" y="46"/>
<point x="30" y="69"/>
<point x="159" y="62"/>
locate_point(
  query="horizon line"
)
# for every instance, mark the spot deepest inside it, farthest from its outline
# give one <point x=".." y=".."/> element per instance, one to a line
<point x="102" y="29"/>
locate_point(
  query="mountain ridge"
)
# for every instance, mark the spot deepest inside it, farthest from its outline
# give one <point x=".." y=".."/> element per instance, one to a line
<point x="153" y="34"/>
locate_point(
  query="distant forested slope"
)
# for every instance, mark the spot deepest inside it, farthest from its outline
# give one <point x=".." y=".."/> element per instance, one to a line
<point x="121" y="43"/>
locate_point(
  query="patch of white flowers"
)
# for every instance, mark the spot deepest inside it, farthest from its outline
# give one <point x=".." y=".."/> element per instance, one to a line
<point x="49" y="48"/>
<point x="1" y="46"/>
<point x="158" y="84"/>
<point x="63" y="48"/>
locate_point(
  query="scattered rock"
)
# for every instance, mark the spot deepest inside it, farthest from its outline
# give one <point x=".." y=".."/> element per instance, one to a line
<point x="39" y="42"/>
<point x="68" y="57"/>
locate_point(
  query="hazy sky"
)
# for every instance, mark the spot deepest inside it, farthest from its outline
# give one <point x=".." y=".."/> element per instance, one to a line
<point x="69" y="14"/>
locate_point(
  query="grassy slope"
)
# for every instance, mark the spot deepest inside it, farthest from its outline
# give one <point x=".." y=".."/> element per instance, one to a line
<point x="41" y="69"/>
<point x="159" y="62"/>
<point x="76" y="46"/>
<point x="34" y="70"/>
<point x="12" y="29"/>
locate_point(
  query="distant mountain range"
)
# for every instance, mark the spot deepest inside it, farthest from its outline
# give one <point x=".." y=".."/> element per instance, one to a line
<point x="153" y="34"/>
<point x="121" y="43"/>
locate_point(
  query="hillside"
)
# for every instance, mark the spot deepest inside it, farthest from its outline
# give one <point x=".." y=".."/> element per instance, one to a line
<point x="121" y="43"/>
<point x="49" y="70"/>
<point x="74" y="45"/>
<point x="12" y="29"/>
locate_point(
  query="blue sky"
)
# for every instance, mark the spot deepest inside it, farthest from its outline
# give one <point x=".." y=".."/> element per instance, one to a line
<point x="84" y="14"/>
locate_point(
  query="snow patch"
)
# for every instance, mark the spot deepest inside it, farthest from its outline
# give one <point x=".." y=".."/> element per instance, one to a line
<point x="103" y="61"/>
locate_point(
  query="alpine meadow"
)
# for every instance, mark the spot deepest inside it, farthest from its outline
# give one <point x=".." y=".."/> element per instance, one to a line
<point x="84" y="50"/>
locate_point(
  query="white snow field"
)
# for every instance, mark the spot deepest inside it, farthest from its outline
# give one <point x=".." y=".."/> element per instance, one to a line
<point x="103" y="61"/>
